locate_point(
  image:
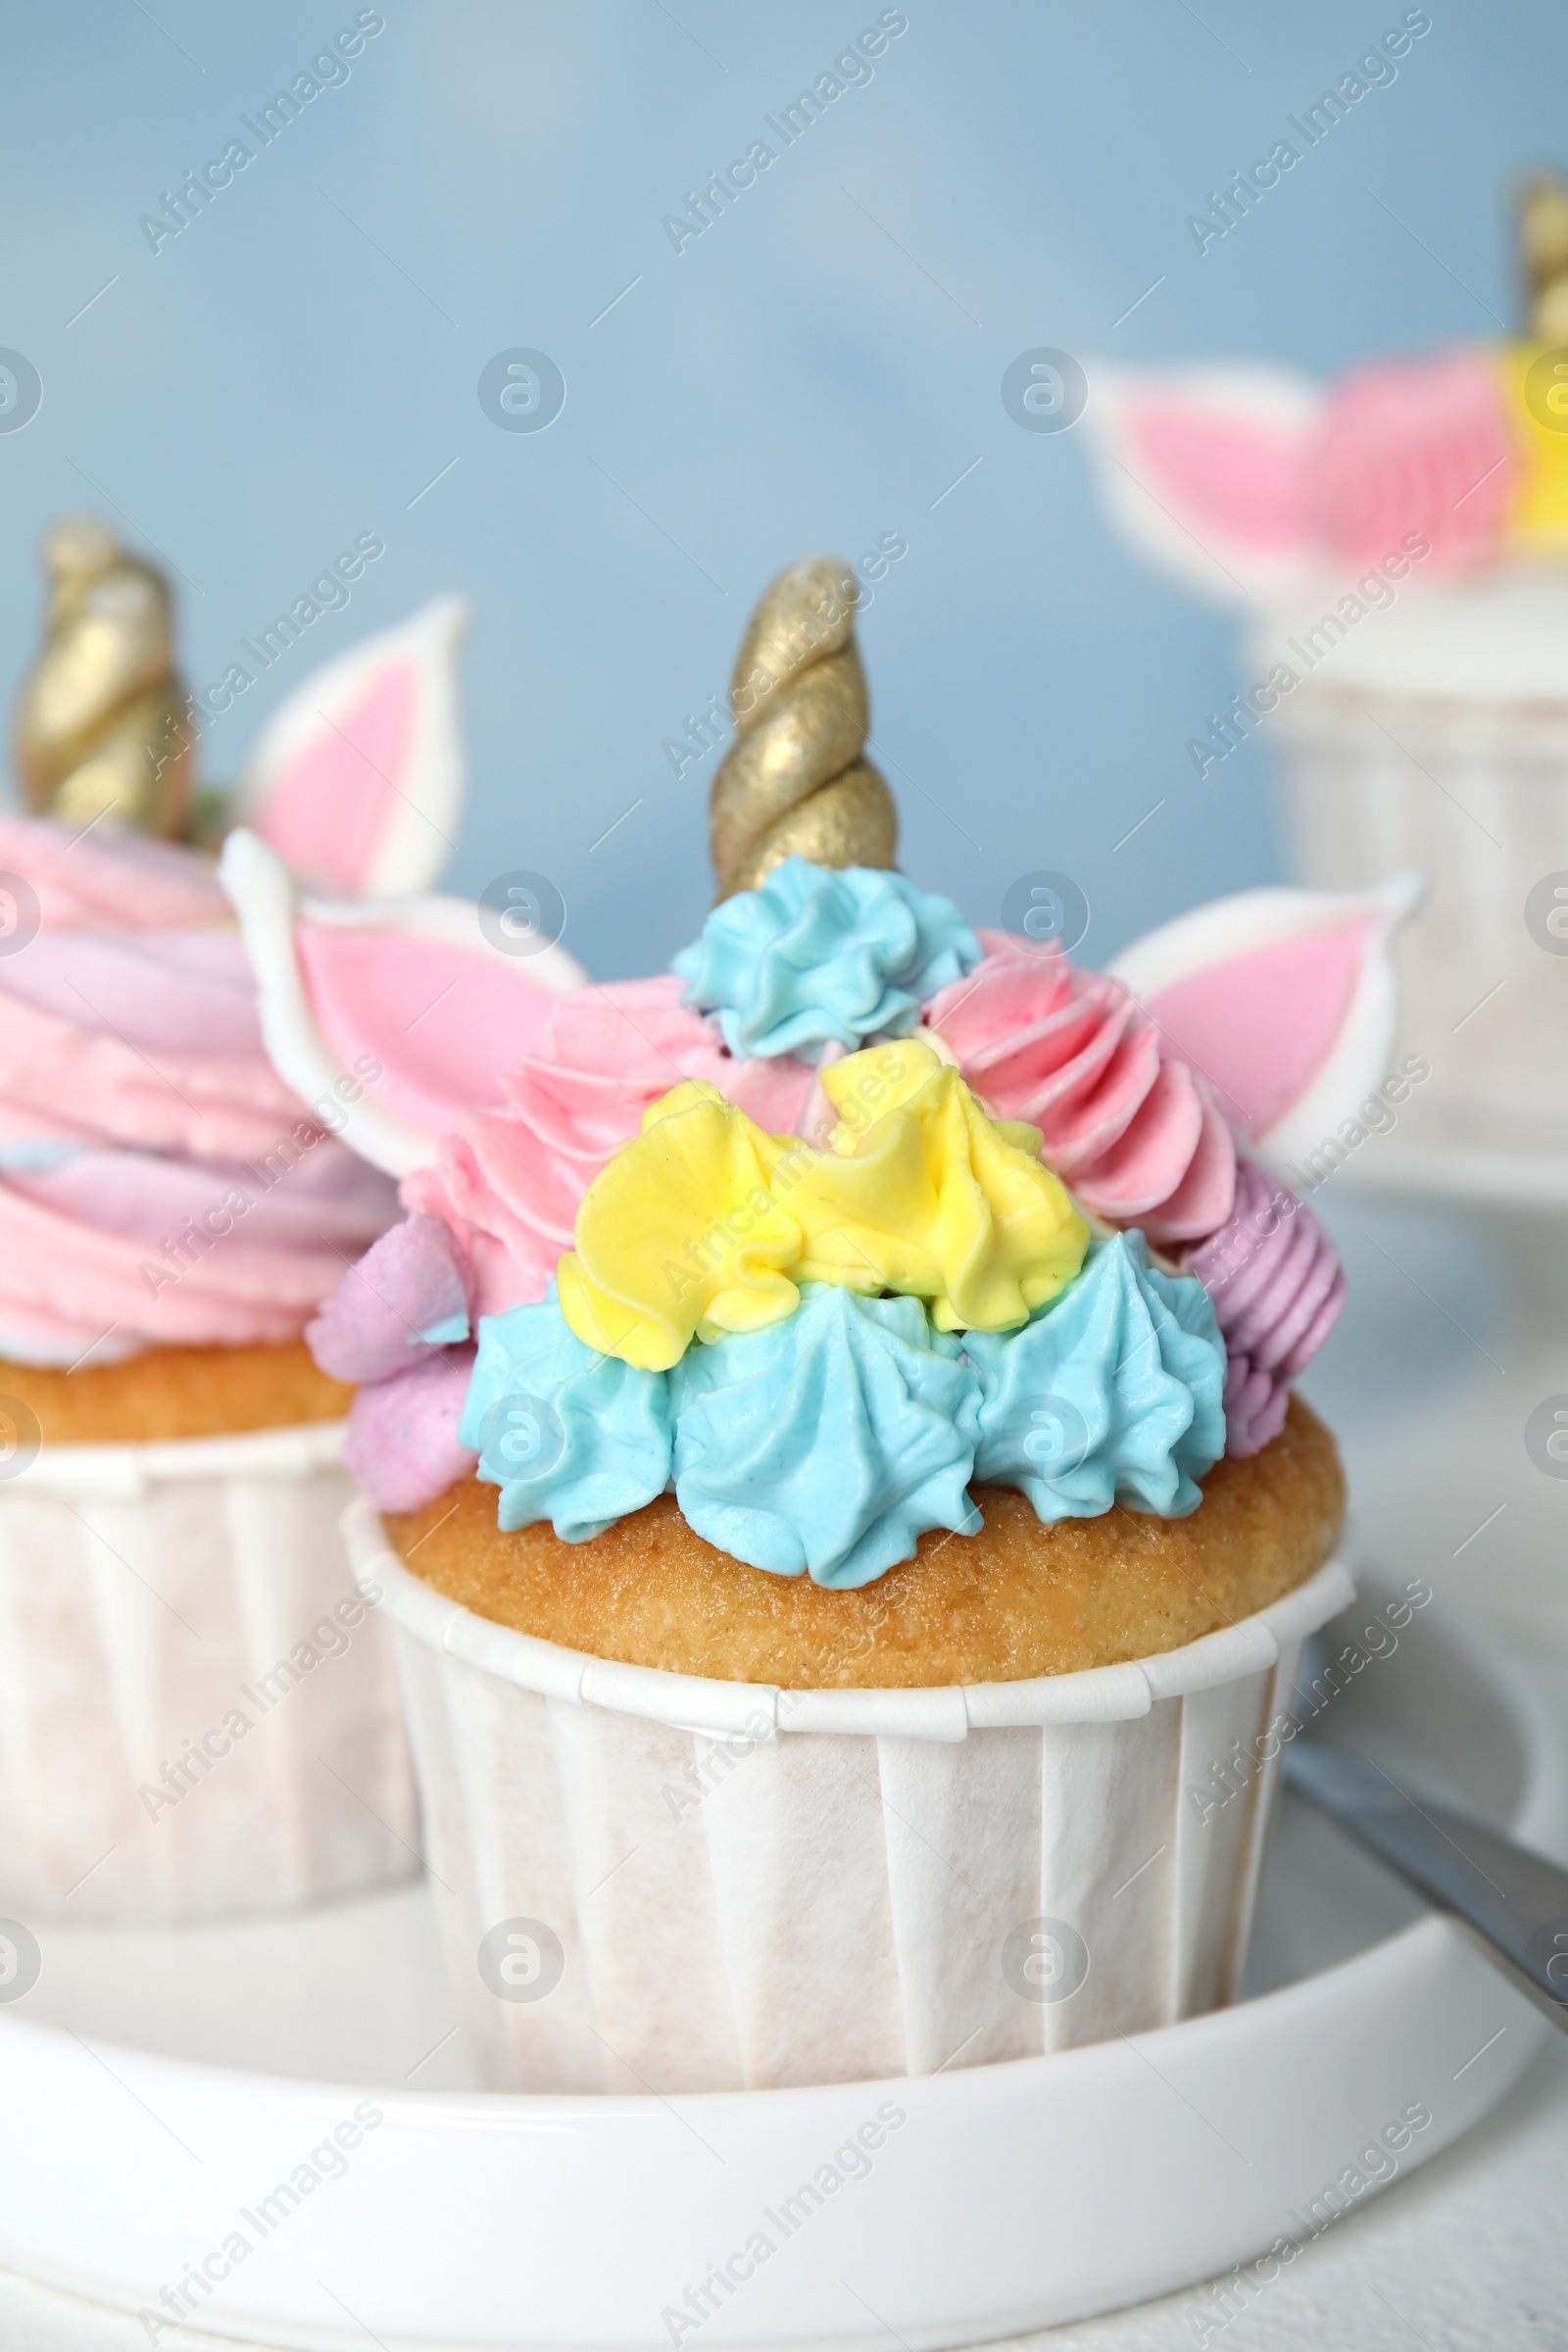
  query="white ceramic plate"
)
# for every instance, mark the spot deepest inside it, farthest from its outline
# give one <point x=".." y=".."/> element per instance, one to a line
<point x="170" y="2106"/>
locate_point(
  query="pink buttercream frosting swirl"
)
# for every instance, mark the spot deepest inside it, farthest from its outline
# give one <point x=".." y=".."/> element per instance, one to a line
<point x="1277" y="1288"/>
<point x="109" y="881"/>
<point x="511" y="1182"/>
<point x="1127" y="1126"/>
<point x="159" y="1184"/>
<point x="1423" y="447"/>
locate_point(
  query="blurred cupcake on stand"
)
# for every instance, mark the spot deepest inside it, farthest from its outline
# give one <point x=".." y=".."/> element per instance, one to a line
<point x="1397" y="543"/>
<point x="198" y="1718"/>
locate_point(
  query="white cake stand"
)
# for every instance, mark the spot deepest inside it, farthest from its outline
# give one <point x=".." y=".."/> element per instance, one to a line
<point x="1461" y="1490"/>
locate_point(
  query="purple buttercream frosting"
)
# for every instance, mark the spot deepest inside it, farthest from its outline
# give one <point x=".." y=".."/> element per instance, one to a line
<point x="399" y="1326"/>
<point x="1277" y="1288"/>
<point x="401" y="1447"/>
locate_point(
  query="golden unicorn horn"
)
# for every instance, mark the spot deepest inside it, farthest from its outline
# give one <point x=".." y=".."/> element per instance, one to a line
<point x="794" y="783"/>
<point x="103" y="725"/>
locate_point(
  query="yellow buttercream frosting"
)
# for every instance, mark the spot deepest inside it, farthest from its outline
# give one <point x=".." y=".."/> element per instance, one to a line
<point x="704" y="1224"/>
<point x="932" y="1198"/>
<point x="1539" y="517"/>
<point x="680" y="1237"/>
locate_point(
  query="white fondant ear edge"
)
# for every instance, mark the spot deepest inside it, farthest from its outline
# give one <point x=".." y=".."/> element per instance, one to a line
<point x="261" y="890"/>
<point x="268" y="905"/>
<point x="1359" y="1058"/>
<point x="418" y="838"/>
<point x="1227" y="928"/>
<point x="1203" y="558"/>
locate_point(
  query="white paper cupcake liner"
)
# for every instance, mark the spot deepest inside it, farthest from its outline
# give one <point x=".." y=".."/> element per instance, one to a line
<point x="651" y="1880"/>
<point x="1477" y="795"/>
<point x="199" y="1716"/>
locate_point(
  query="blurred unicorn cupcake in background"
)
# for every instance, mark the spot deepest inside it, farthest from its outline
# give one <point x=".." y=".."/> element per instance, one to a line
<point x="199" y="1716"/>
<point x="1399" y="540"/>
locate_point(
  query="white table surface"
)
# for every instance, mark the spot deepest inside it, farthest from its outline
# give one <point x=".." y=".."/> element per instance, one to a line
<point x="1469" y="2254"/>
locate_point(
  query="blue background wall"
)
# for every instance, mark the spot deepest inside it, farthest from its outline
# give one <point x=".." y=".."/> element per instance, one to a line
<point x="811" y="372"/>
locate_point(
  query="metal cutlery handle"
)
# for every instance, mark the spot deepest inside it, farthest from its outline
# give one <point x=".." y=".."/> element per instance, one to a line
<point x="1515" y="1901"/>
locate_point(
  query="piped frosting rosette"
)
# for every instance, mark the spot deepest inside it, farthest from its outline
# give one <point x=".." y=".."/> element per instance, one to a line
<point x="872" y="1210"/>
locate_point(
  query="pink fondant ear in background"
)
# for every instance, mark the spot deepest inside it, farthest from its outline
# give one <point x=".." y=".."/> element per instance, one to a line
<point x="357" y="782"/>
<point x="1208" y="473"/>
<point x="391" y="1022"/>
<point x="1284" y="1000"/>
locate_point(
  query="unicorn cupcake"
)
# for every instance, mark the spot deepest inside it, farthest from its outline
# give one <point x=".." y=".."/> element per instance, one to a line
<point x="828" y="1446"/>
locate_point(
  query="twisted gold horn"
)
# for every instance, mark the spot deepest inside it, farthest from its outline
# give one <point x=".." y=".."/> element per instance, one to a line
<point x="103" y="725"/>
<point x="1544" y="233"/>
<point x="794" y="783"/>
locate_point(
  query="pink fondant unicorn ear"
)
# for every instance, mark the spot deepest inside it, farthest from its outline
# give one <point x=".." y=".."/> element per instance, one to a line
<point x="1209" y="471"/>
<point x="389" y="1021"/>
<point x="1283" y="999"/>
<point x="357" y="782"/>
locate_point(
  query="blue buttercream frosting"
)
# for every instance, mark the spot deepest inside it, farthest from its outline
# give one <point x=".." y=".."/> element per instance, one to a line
<point x="39" y="1153"/>
<point x="829" y="1441"/>
<point x="814" y="957"/>
<point x="446" y="1334"/>
<point x="567" y="1434"/>
<point x="1115" y="1392"/>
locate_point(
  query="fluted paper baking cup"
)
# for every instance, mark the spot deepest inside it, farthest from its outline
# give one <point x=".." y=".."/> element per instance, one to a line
<point x="199" y="1714"/>
<point x="650" y="1880"/>
<point x="1477" y="795"/>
